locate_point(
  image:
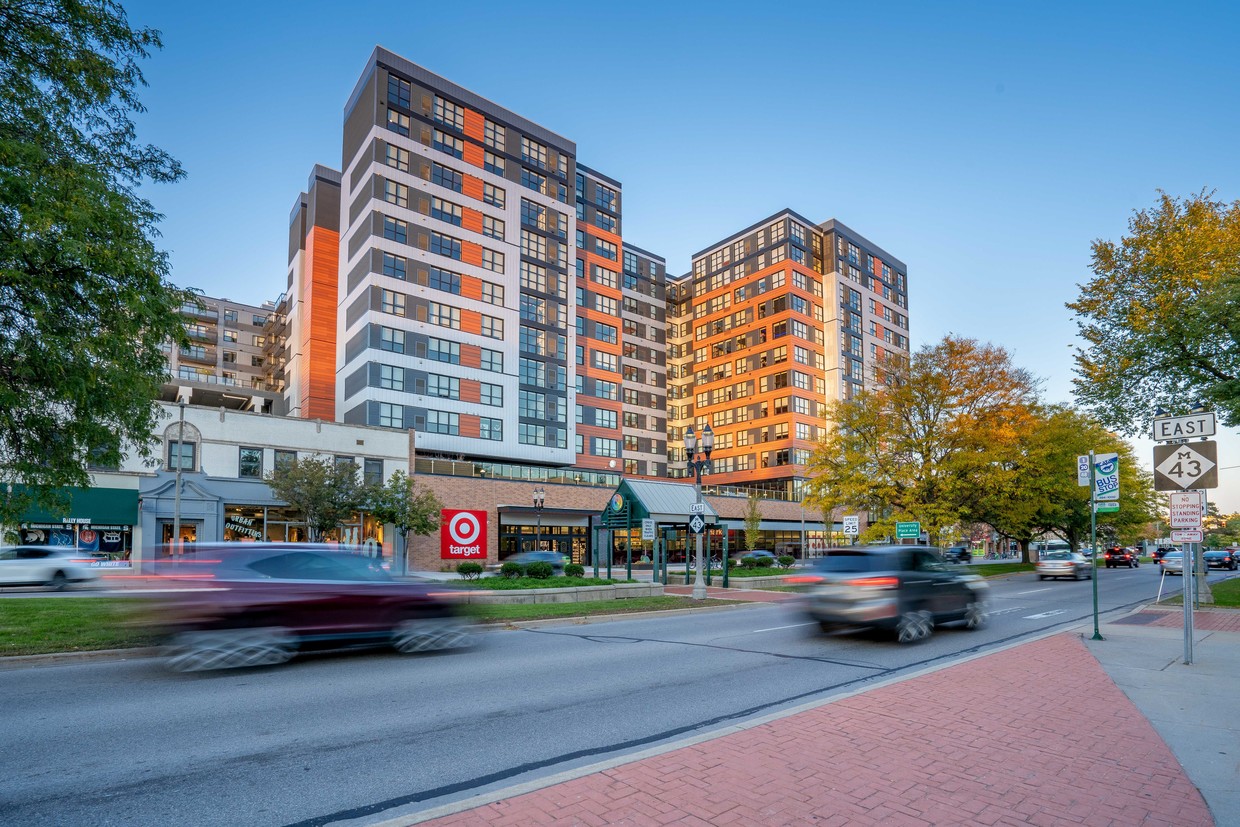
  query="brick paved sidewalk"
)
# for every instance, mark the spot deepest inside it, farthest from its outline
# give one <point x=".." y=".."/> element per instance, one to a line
<point x="1037" y="734"/>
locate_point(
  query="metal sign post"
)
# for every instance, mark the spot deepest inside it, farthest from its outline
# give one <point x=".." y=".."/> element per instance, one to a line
<point x="1093" y="537"/>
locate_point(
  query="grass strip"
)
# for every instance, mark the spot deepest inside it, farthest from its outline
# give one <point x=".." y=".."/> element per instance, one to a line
<point x="45" y="625"/>
<point x="543" y="611"/>
<point x="1226" y="595"/>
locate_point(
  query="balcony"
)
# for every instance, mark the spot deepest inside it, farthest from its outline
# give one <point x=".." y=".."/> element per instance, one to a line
<point x="200" y="355"/>
<point x="199" y="311"/>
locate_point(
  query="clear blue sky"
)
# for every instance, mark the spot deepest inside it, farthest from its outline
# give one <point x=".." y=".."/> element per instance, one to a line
<point x="985" y="144"/>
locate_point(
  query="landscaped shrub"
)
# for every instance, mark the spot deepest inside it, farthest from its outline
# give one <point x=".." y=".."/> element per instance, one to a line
<point x="574" y="570"/>
<point x="787" y="561"/>
<point x="511" y="570"/>
<point x="766" y="562"/>
<point x="469" y="570"/>
<point x="749" y="562"/>
<point x="539" y="570"/>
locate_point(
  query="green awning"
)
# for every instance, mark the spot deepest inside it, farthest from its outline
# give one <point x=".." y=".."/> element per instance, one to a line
<point x="102" y="506"/>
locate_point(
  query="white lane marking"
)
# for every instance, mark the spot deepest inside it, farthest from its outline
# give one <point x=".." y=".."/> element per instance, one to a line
<point x="1045" y="614"/>
<point x="1006" y="611"/>
<point x="1035" y="591"/>
<point x="777" y="628"/>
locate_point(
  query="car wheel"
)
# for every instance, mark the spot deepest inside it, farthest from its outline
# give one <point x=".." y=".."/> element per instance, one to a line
<point x="230" y="649"/>
<point x="975" y="615"/>
<point x="429" y="635"/>
<point x="914" y="626"/>
<point x="1041" y="577"/>
<point x="59" y="582"/>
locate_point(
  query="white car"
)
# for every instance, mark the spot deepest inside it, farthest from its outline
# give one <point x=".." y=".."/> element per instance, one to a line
<point x="51" y="566"/>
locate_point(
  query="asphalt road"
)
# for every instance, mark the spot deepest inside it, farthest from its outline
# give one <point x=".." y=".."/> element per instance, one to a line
<point x="357" y="738"/>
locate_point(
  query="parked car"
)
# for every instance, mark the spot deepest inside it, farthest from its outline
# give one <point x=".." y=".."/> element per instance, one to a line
<point x="907" y="589"/>
<point x="269" y="601"/>
<point x="1064" y="564"/>
<point x="958" y="554"/>
<point x="1119" y="556"/>
<point x="1172" y="562"/>
<point x="52" y="566"/>
<point x="1221" y="559"/>
<point x="524" y="558"/>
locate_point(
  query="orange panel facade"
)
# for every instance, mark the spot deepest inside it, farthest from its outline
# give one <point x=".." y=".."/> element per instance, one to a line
<point x="318" y="333"/>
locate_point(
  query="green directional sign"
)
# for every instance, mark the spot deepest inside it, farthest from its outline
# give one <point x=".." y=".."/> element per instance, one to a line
<point x="1104" y="506"/>
<point x="908" y="531"/>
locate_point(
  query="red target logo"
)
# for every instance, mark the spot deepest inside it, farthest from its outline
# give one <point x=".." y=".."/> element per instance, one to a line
<point x="462" y="534"/>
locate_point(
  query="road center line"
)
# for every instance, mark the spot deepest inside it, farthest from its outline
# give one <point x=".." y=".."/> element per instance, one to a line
<point x="1035" y="591"/>
<point x="1045" y="614"/>
<point x="777" y="628"/>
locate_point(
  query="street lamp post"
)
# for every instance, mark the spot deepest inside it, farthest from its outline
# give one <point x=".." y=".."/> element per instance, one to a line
<point x="176" y="508"/>
<point x="539" y="495"/>
<point x="699" y="466"/>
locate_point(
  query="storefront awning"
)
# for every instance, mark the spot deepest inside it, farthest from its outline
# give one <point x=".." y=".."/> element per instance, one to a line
<point x="667" y="503"/>
<point x="99" y="506"/>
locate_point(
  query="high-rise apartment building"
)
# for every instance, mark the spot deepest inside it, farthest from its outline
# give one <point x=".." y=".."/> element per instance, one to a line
<point x="224" y="364"/>
<point x="643" y="363"/>
<point x="772" y="323"/>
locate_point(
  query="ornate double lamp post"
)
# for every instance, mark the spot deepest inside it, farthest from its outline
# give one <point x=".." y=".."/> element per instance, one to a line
<point x="539" y="496"/>
<point x="694" y="449"/>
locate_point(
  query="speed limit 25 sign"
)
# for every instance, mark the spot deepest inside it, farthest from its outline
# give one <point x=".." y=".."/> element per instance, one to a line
<point x="462" y="534"/>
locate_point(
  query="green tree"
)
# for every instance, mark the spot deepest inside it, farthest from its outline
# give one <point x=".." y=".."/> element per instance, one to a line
<point x="935" y="431"/>
<point x="405" y="504"/>
<point x="753" y="522"/>
<point x="85" y="304"/>
<point x="1159" y="316"/>
<point x="326" y="492"/>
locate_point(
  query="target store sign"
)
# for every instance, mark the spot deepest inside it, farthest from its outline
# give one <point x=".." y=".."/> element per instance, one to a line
<point x="462" y="535"/>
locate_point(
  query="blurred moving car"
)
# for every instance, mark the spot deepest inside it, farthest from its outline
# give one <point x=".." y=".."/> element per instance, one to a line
<point x="756" y="554"/>
<point x="269" y="601"/>
<point x="1221" y="559"/>
<point x="1065" y="564"/>
<point x="1172" y="562"/>
<point x="908" y="589"/>
<point x="524" y="558"/>
<point x="1161" y="551"/>
<point x="1119" y="556"/>
<point x="52" y="566"/>
<point x="958" y="554"/>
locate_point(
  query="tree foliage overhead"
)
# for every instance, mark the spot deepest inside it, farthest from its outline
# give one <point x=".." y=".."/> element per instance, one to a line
<point x="1159" y="316"/>
<point x="85" y="304"/>
<point x="938" y="429"/>
<point x="326" y="492"/>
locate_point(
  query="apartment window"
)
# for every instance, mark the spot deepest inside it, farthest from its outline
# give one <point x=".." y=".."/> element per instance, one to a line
<point x="493" y="135"/>
<point x="603" y="276"/>
<point x="181" y="455"/>
<point x="446" y="177"/>
<point x="490" y="394"/>
<point x="395" y="193"/>
<point x="533" y="405"/>
<point x="493" y="195"/>
<point x="394" y="266"/>
<point x="372" y="471"/>
<point x="449" y="114"/>
<point x="492" y="360"/>
<point x="492" y="260"/>
<point x="604" y="447"/>
<point x="441" y="351"/>
<point x="397" y="158"/>
<point x="445" y="245"/>
<point x="490" y="428"/>
<point x="391" y="340"/>
<point x="534" y="181"/>
<point x="606" y="249"/>
<point x="392" y="302"/>
<point x="532" y="434"/>
<point x="444" y="280"/>
<point x="230" y="356"/>
<point x="605" y="419"/>
<point x="399" y="91"/>
<point x="493" y="163"/>
<point x="250" y="465"/>
<point x="443" y="422"/>
<point x="604" y="221"/>
<point x="493" y="293"/>
<point x="446" y="211"/>
<point x="533" y="215"/>
<point x="448" y="143"/>
<point x="284" y="459"/>
<point x="534" y="246"/>
<point x="391" y="377"/>
<point x="391" y="416"/>
<point x="533" y="152"/>
<point x="605" y="361"/>
<point x="398" y="122"/>
<point x="533" y="277"/>
<point x="492" y="327"/>
<point x="256" y="361"/>
<point x="607" y="390"/>
<point x="534" y="309"/>
<point x="445" y="387"/>
<point x="493" y="227"/>
<point x="605" y="333"/>
<point x="444" y="315"/>
<point x="395" y="230"/>
<point x="605" y="304"/>
<point x="229" y="336"/>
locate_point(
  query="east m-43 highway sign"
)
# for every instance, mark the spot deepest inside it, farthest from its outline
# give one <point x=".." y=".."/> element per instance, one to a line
<point x="1185" y="465"/>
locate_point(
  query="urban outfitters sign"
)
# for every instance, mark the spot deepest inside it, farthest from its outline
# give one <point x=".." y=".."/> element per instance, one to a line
<point x="462" y="534"/>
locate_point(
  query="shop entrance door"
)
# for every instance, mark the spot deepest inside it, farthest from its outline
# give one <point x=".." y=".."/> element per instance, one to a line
<point x="189" y="535"/>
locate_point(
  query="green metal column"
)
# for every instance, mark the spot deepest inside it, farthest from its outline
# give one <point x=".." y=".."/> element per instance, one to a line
<point x="725" y="558"/>
<point x="628" y="543"/>
<point x="594" y="538"/>
<point x="708" y="531"/>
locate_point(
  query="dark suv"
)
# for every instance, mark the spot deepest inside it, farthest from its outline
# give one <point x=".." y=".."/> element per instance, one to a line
<point x="264" y="602"/>
<point x="908" y="589"/>
<point x="1221" y="559"/>
<point x="1119" y="556"/>
<point x="958" y="554"/>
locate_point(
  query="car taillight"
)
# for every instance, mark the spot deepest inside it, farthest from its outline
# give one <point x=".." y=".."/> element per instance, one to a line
<point x="876" y="582"/>
<point x="803" y="579"/>
<point x="81" y="559"/>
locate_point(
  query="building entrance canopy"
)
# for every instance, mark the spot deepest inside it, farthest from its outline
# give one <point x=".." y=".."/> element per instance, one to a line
<point x="667" y="503"/>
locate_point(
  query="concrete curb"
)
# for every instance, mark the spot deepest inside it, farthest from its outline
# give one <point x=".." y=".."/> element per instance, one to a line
<point x="69" y="658"/>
